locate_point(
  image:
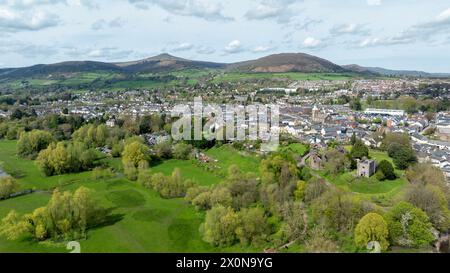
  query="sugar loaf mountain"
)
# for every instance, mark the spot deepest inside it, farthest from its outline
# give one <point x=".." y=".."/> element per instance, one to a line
<point x="277" y="63"/>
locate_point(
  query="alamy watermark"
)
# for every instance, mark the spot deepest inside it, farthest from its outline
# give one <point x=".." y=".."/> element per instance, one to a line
<point x="227" y="123"/>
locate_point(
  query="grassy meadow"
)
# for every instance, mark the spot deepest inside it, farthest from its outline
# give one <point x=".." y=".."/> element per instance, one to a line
<point x="141" y="221"/>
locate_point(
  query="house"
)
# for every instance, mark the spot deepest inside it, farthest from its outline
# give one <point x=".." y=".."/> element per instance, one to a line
<point x="366" y="168"/>
<point x="319" y="116"/>
<point x="111" y="123"/>
<point x="315" y="162"/>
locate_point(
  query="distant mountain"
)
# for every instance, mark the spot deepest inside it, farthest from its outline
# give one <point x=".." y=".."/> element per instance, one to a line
<point x="394" y="73"/>
<point x="58" y="68"/>
<point x="288" y="62"/>
<point x="285" y="62"/>
<point x="165" y="62"/>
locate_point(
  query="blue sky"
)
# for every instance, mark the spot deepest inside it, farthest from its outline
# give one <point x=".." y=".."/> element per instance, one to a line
<point x="397" y="34"/>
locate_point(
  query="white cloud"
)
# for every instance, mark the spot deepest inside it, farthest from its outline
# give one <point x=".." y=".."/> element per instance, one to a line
<point x="183" y="47"/>
<point x="98" y="53"/>
<point x="311" y="42"/>
<point x="21" y="4"/>
<point x="101" y="24"/>
<point x="234" y="47"/>
<point x="423" y="32"/>
<point x="374" y="2"/>
<point x="260" y="49"/>
<point x="280" y="10"/>
<point x="12" y="20"/>
<point x="386" y="41"/>
<point x="206" y="50"/>
<point x="349" y="29"/>
<point x="208" y="10"/>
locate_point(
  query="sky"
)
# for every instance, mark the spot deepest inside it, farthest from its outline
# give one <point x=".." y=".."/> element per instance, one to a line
<point x="395" y="34"/>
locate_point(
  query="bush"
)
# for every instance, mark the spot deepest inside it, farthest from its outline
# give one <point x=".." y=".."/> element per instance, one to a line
<point x="219" y="228"/>
<point x="168" y="187"/>
<point x="372" y="228"/>
<point x="224" y="227"/>
<point x="31" y="143"/>
<point x="60" y="159"/>
<point x="7" y="186"/>
<point x="359" y="150"/>
<point x="182" y="151"/>
<point x="385" y="171"/>
<point x="66" y="216"/>
<point x="403" y="156"/>
<point x="409" y="226"/>
<point x="163" y="150"/>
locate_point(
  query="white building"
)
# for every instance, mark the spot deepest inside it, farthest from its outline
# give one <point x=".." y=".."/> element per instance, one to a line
<point x="387" y="112"/>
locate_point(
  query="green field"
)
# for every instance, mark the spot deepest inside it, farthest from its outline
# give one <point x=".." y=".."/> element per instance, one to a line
<point x="141" y="221"/>
<point x="370" y="187"/>
<point x="28" y="174"/>
<point x="227" y="156"/>
<point x="297" y="148"/>
<point x="295" y="76"/>
<point x="188" y="170"/>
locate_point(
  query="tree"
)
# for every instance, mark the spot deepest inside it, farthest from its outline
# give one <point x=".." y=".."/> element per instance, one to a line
<point x="12" y="226"/>
<point x="355" y="104"/>
<point x="253" y="227"/>
<point x="385" y="170"/>
<point x="314" y="189"/>
<point x="408" y="226"/>
<point x="66" y="216"/>
<point x="430" y="116"/>
<point x="182" y="151"/>
<point x="145" y="125"/>
<point x="134" y="153"/>
<point x="59" y="159"/>
<point x="353" y="139"/>
<point x="398" y="138"/>
<point x="294" y="221"/>
<point x="335" y="161"/>
<point x="339" y="210"/>
<point x="221" y="196"/>
<point x="242" y="186"/>
<point x="372" y="228"/>
<point x="220" y="225"/>
<point x="168" y="187"/>
<point x="276" y="168"/>
<point x="403" y="156"/>
<point x="432" y="200"/>
<point x="359" y="150"/>
<point x="163" y="150"/>
<point x="300" y="191"/>
<point x="85" y="210"/>
<point x="7" y="186"/>
<point x="319" y="242"/>
<point x="31" y="143"/>
<point x="101" y="134"/>
<point x="427" y="174"/>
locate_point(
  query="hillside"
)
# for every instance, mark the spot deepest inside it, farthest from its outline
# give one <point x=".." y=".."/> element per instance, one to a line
<point x="58" y="68"/>
<point x="277" y="63"/>
<point x="394" y="73"/>
<point x="165" y="62"/>
<point x="288" y="62"/>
